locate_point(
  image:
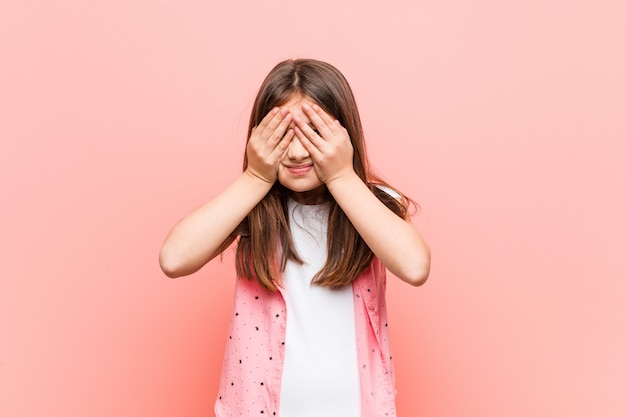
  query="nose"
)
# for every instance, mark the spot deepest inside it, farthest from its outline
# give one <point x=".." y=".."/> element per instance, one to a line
<point x="296" y="152"/>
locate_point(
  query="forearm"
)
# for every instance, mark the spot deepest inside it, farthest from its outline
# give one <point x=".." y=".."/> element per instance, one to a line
<point x="200" y="236"/>
<point x="394" y="240"/>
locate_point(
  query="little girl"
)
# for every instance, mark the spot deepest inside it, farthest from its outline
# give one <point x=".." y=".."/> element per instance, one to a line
<point x="315" y="232"/>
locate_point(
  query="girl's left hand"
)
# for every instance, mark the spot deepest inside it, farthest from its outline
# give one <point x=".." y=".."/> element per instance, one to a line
<point x="328" y="144"/>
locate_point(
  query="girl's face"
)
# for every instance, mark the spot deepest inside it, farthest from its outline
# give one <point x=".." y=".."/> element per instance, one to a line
<point x="296" y="171"/>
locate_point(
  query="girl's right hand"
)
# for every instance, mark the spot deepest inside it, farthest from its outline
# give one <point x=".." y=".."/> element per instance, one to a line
<point x="268" y="143"/>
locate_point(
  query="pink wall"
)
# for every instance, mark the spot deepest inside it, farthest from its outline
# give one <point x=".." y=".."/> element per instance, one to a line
<point x="505" y="120"/>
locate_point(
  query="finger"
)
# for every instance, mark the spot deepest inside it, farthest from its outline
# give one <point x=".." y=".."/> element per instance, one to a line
<point x="312" y="134"/>
<point x="277" y="133"/>
<point x="311" y="147"/>
<point x="282" y="146"/>
<point x="266" y="120"/>
<point x="320" y="119"/>
<point x="323" y="115"/>
<point x="271" y="121"/>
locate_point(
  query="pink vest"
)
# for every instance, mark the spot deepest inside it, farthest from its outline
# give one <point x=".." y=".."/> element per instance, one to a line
<point x="255" y="349"/>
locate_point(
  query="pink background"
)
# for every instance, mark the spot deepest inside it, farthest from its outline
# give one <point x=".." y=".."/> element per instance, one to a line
<point x="504" y="120"/>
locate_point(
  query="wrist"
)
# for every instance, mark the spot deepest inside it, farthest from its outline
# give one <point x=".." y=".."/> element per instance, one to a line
<point x="255" y="176"/>
<point x="349" y="178"/>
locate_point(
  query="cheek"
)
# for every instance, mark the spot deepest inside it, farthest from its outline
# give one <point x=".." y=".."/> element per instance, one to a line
<point x="281" y="174"/>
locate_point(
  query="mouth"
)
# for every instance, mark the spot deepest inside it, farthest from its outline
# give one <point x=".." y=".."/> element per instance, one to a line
<point x="299" y="169"/>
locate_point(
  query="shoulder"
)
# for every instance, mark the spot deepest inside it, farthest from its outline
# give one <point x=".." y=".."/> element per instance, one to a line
<point x="395" y="200"/>
<point x="389" y="191"/>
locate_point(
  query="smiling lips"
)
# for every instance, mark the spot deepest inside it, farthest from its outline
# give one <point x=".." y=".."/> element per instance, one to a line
<point x="300" y="169"/>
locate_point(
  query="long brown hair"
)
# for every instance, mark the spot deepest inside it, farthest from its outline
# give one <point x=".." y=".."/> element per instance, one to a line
<point x="265" y="242"/>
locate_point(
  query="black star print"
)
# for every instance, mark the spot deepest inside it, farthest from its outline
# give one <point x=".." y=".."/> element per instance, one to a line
<point x="256" y="297"/>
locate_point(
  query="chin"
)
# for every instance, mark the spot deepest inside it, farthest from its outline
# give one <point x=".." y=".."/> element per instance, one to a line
<point x="312" y="194"/>
<point x="300" y="186"/>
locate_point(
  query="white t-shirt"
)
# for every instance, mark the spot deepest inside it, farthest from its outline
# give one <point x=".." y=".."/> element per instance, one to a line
<point x="320" y="374"/>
